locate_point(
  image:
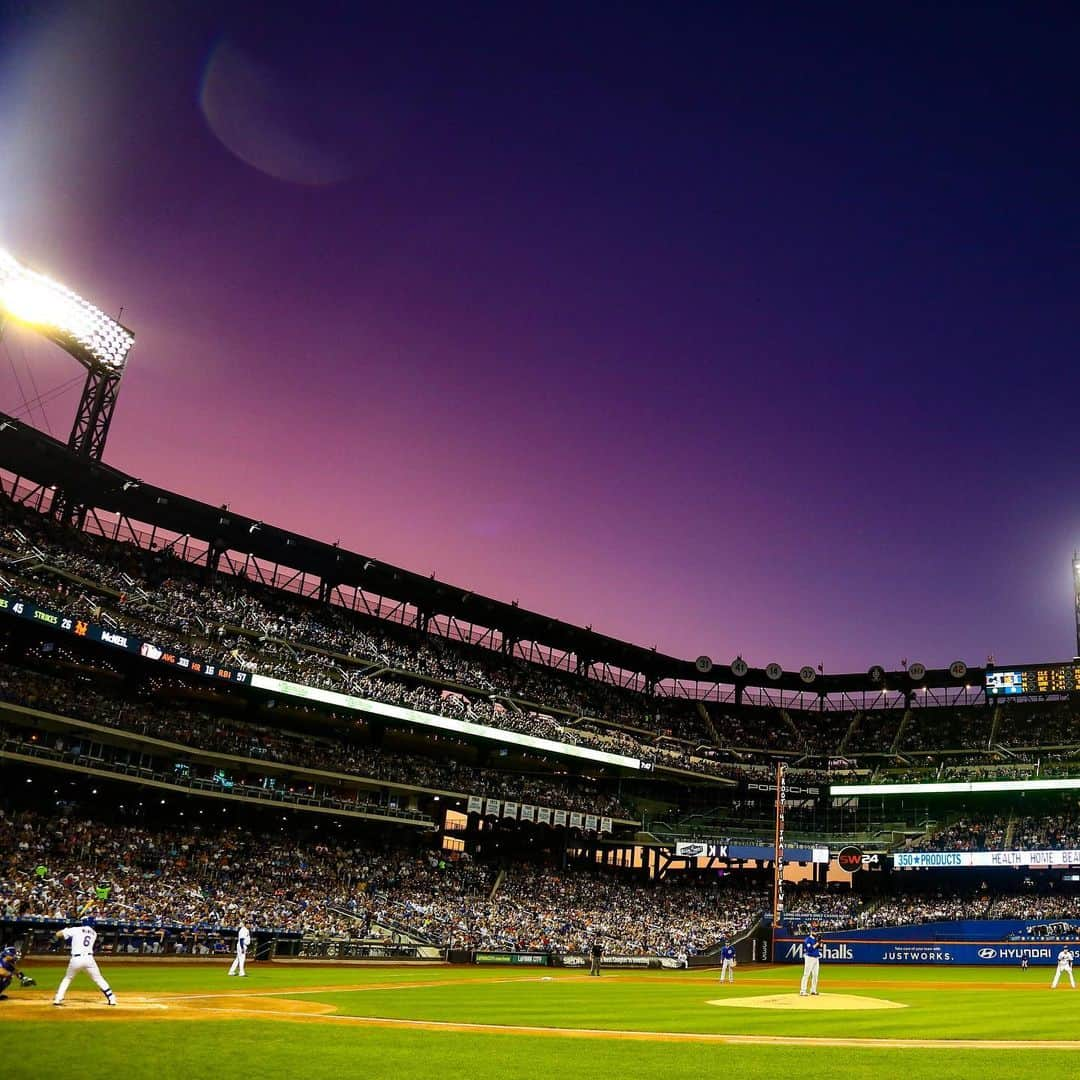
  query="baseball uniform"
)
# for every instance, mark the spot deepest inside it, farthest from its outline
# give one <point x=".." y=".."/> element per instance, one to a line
<point x="81" y="940"/>
<point x="243" y="940"/>
<point x="1064" y="964"/>
<point x="811" y="964"/>
<point x="727" y="963"/>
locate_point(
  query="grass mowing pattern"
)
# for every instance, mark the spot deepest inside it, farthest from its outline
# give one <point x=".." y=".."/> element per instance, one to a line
<point x="987" y="1003"/>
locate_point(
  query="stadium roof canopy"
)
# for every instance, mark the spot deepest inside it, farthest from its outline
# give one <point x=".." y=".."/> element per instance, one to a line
<point x="34" y="456"/>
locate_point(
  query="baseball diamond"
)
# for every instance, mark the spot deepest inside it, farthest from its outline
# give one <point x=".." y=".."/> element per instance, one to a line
<point x="537" y="540"/>
<point x="357" y="1011"/>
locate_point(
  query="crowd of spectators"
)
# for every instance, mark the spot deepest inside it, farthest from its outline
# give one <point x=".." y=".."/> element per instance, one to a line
<point x="968" y="834"/>
<point x="996" y="832"/>
<point x="51" y="868"/>
<point x="565" y="910"/>
<point x="1038" y="724"/>
<point x="1054" y="832"/>
<point x="172" y="721"/>
<point x="233" y="621"/>
<point x="821" y="732"/>
<point x="160" y="768"/>
<point x="1039" y="908"/>
<point x="173" y="594"/>
<point x="980" y="902"/>
<point x="874" y="731"/>
<point x="917" y="908"/>
<point x="239" y="623"/>
<point x="927" y="728"/>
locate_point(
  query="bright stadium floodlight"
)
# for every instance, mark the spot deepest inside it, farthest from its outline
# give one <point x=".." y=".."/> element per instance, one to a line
<point x="64" y="317"/>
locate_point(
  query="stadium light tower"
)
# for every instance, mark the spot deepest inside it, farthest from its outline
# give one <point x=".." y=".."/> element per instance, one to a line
<point x="84" y="332"/>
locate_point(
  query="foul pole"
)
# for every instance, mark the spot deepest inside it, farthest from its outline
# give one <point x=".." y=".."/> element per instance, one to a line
<point x="778" y="853"/>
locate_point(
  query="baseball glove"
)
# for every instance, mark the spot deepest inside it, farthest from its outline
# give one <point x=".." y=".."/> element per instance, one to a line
<point x="26" y="980"/>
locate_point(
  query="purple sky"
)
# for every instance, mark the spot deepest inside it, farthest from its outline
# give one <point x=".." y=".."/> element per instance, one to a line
<point x="720" y="331"/>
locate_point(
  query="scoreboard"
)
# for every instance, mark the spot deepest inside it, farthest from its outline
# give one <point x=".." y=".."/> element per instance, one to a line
<point x="1035" y="679"/>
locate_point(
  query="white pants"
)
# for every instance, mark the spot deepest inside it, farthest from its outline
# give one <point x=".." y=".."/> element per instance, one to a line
<point x="810" y="974"/>
<point x="87" y="964"/>
<point x="1057" y="975"/>
<point x="238" y="964"/>
<point x="727" y="967"/>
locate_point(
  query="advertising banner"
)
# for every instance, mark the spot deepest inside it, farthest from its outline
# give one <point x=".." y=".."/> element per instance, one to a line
<point x="491" y="807"/>
<point x="528" y="813"/>
<point x="606" y="824"/>
<point x="543" y="815"/>
<point x="592" y="822"/>
<point x="476" y="804"/>
<point x="510" y="809"/>
<point x="688" y="849"/>
<point x="640" y="962"/>
<point x="526" y="959"/>
<point x="576" y="821"/>
<point x="559" y="819"/>
<point x="865" y="951"/>
<point x="970" y="860"/>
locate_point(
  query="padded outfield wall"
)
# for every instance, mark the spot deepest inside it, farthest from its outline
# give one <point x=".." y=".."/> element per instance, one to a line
<point x="1002" y="942"/>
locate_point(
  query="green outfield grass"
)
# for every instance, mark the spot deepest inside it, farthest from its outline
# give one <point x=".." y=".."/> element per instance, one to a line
<point x="141" y="1039"/>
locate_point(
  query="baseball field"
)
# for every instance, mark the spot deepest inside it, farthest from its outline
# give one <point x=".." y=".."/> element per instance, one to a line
<point x="190" y="1021"/>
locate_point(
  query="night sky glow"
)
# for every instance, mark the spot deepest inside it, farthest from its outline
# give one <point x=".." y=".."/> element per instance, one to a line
<point x="722" y="329"/>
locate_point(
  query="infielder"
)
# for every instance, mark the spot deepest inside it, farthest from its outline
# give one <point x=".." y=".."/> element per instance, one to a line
<point x="82" y="940"/>
<point x="243" y="940"/>
<point x="811" y="964"/>
<point x="727" y="962"/>
<point x="9" y="969"/>
<point x="1065" y="959"/>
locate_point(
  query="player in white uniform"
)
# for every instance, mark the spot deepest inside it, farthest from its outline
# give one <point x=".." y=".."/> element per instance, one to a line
<point x="1065" y="959"/>
<point x="82" y="938"/>
<point x="243" y="940"/>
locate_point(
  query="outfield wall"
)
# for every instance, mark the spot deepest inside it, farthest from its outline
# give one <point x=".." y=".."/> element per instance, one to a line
<point x="972" y="941"/>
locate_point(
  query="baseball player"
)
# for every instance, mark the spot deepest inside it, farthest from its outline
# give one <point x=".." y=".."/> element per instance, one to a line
<point x="1065" y="959"/>
<point x="9" y="969"/>
<point x="727" y="961"/>
<point x="82" y="940"/>
<point x="243" y="940"/>
<point x="597" y="954"/>
<point x="811" y="963"/>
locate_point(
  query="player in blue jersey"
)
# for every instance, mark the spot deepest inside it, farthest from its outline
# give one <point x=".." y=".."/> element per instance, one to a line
<point x="727" y="962"/>
<point x="9" y="969"/>
<point x="811" y="964"/>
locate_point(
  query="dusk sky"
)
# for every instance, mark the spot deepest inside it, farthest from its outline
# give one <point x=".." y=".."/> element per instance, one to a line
<point x="725" y="328"/>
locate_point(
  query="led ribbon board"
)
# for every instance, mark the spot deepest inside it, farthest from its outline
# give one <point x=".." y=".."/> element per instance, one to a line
<point x="1065" y="783"/>
<point x="971" y="860"/>
<point x="62" y="316"/>
<point x="446" y="723"/>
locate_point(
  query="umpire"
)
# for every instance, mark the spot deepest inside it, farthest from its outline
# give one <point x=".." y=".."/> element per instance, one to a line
<point x="597" y="953"/>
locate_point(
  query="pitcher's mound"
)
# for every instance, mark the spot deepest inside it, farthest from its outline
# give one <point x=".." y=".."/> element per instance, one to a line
<point x="820" y="1003"/>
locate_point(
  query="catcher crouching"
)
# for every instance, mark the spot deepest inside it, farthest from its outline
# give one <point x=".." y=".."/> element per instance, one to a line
<point x="9" y="969"/>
